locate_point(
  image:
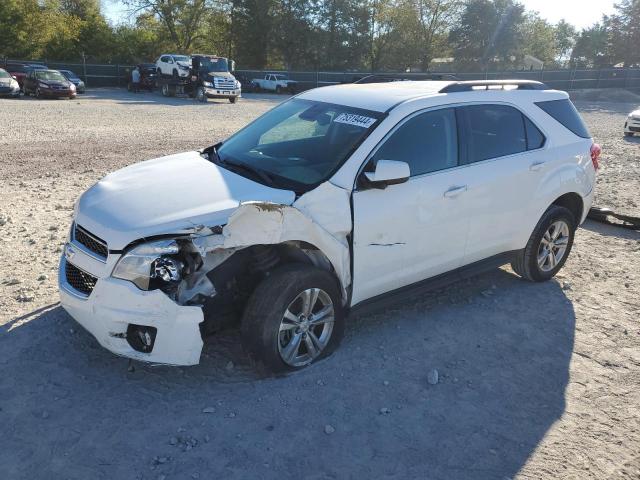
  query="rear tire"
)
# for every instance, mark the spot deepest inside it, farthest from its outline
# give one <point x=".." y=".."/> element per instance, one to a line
<point x="279" y="332"/>
<point x="548" y="247"/>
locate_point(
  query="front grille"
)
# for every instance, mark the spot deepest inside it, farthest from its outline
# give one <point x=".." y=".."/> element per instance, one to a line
<point x="91" y="242"/>
<point x="225" y="83"/>
<point x="79" y="280"/>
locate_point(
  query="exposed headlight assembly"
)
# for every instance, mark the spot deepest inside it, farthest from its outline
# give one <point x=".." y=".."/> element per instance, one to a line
<point x="151" y="265"/>
<point x="207" y="84"/>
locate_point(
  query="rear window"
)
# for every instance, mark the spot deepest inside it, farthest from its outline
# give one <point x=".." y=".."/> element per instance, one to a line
<point x="565" y="113"/>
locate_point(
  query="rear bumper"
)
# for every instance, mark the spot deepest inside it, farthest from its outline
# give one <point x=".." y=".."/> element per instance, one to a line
<point x="587" y="201"/>
<point x="115" y="304"/>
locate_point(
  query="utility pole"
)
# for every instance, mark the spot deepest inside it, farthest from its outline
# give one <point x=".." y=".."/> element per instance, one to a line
<point x="84" y="68"/>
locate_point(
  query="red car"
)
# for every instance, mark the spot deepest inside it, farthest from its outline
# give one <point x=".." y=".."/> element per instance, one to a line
<point x="48" y="83"/>
<point x="19" y="70"/>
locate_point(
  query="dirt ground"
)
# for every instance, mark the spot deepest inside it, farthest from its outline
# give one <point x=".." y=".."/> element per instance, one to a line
<point x="535" y="381"/>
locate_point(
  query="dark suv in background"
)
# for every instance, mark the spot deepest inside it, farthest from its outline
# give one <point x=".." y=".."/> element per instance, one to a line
<point x="48" y="83"/>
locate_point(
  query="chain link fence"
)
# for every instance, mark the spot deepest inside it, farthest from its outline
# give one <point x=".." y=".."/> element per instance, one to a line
<point x="99" y="75"/>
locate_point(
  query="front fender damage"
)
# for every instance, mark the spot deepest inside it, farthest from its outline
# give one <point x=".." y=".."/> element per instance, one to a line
<point x="223" y="271"/>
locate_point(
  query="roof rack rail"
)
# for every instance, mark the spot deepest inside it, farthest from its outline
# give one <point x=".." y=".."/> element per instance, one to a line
<point x="487" y="84"/>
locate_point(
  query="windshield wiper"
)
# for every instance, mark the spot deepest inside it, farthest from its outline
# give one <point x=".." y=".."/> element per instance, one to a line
<point x="255" y="172"/>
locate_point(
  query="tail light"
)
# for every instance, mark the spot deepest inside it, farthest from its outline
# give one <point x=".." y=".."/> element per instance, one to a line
<point x="596" y="150"/>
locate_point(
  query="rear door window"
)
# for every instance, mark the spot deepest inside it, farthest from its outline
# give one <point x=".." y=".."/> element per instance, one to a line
<point x="565" y="112"/>
<point x="535" y="138"/>
<point x="493" y="131"/>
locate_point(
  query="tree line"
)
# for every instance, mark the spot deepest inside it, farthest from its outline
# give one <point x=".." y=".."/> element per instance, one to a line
<point x="364" y="35"/>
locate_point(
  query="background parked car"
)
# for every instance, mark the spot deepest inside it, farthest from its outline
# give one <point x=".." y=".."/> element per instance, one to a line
<point x="48" y="83"/>
<point x="20" y="70"/>
<point x="174" y="65"/>
<point x="8" y="85"/>
<point x="148" y="75"/>
<point x="75" y="79"/>
<point x="275" y="82"/>
<point x="632" y="125"/>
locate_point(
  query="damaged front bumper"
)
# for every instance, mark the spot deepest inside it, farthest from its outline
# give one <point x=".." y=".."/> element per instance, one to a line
<point x="137" y="324"/>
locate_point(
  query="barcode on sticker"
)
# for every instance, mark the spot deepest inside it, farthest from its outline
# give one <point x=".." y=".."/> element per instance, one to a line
<point x="351" y="119"/>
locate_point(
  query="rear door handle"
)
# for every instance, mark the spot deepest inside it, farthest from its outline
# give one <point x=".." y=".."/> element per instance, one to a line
<point x="535" y="166"/>
<point x="455" y="191"/>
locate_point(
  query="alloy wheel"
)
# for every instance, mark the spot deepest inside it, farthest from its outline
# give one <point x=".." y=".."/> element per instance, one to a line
<point x="553" y="245"/>
<point x="306" y="327"/>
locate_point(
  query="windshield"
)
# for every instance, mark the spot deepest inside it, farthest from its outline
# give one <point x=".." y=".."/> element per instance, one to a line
<point x="50" y="75"/>
<point x="209" y="65"/>
<point x="181" y="58"/>
<point x="4" y="74"/>
<point x="300" y="143"/>
<point x="281" y="77"/>
<point x="68" y="74"/>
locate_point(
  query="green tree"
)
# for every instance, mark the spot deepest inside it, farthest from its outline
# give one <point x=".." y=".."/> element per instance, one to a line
<point x="565" y="37"/>
<point x="489" y="32"/>
<point x="538" y="39"/>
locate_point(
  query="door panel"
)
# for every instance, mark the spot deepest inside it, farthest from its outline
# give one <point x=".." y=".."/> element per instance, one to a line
<point x="408" y="232"/>
<point x="506" y="165"/>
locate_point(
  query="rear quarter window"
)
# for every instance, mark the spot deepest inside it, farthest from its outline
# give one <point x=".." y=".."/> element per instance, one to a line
<point x="565" y="112"/>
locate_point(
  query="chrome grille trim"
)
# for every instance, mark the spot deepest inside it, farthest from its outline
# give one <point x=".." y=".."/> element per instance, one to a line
<point x="90" y="244"/>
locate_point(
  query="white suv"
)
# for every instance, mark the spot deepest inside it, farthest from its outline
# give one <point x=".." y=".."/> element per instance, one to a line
<point x="334" y="198"/>
<point x="174" y="65"/>
<point x="632" y="124"/>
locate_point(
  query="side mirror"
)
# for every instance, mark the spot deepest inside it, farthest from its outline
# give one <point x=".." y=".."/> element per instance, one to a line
<point x="388" y="172"/>
<point x="232" y="66"/>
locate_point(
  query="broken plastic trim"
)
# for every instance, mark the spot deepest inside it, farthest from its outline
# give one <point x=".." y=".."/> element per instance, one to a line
<point x="600" y="214"/>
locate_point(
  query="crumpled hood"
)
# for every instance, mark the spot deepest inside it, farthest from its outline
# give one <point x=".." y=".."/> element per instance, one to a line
<point x="165" y="196"/>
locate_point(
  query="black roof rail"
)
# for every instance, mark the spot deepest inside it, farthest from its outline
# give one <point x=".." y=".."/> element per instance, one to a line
<point x="487" y="84"/>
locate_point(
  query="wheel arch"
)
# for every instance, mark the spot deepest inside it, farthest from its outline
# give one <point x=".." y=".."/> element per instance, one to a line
<point x="573" y="202"/>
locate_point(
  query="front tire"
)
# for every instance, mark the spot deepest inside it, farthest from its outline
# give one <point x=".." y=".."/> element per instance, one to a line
<point x="293" y="318"/>
<point x="233" y="99"/>
<point x="201" y="96"/>
<point x="548" y="247"/>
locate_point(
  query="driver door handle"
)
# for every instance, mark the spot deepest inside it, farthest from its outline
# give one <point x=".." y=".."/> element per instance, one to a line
<point x="535" y="166"/>
<point x="455" y="191"/>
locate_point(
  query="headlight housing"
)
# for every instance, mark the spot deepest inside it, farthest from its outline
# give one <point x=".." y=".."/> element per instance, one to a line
<point x="207" y="84"/>
<point x="72" y="87"/>
<point x="151" y="265"/>
<point x="238" y="84"/>
<point x="43" y="85"/>
<point x="14" y="84"/>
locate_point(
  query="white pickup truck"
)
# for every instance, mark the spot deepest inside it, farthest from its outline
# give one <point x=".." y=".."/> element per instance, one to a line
<point x="275" y="82"/>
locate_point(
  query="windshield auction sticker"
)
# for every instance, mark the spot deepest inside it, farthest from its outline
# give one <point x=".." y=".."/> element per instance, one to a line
<point x="351" y="119"/>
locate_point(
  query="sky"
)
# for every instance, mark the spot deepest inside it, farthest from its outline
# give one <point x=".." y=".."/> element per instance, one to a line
<point x="581" y="13"/>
